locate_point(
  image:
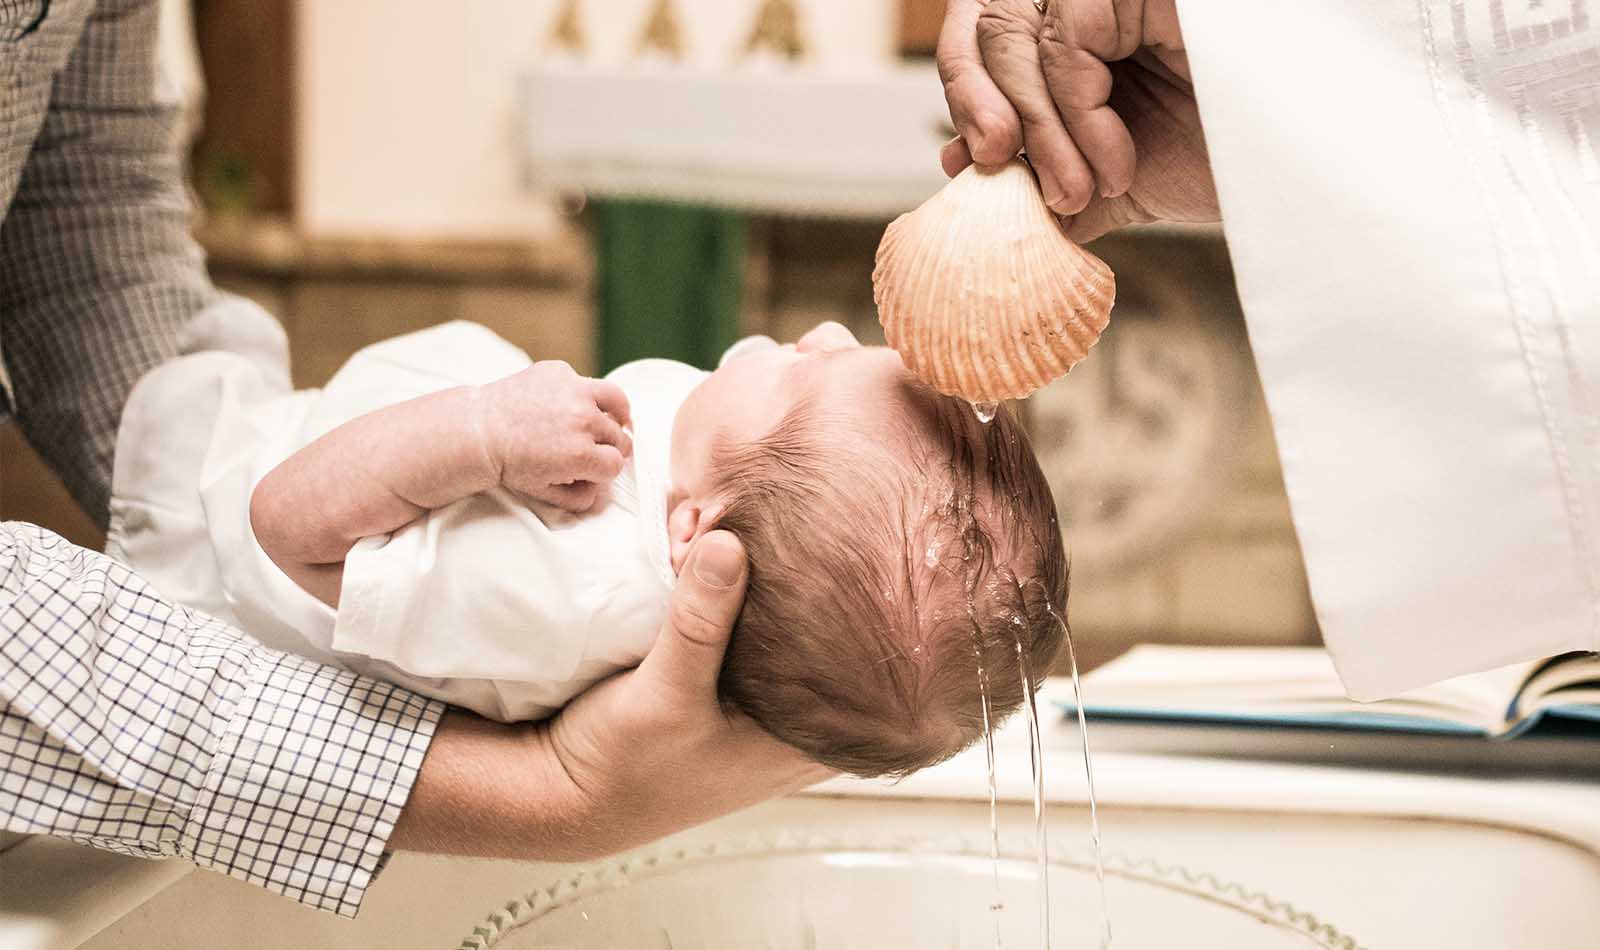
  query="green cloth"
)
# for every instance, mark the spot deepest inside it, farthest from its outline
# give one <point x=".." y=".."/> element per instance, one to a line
<point x="667" y="281"/>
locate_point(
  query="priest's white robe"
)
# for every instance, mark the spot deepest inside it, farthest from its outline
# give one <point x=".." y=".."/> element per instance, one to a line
<point x="1411" y="194"/>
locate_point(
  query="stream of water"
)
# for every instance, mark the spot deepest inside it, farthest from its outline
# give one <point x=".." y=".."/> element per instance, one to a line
<point x="986" y="412"/>
<point x="1088" y="777"/>
<point x="1036" y="764"/>
<point x="995" y="905"/>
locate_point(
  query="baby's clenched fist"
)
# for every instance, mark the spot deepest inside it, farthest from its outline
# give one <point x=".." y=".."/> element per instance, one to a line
<point x="556" y="436"/>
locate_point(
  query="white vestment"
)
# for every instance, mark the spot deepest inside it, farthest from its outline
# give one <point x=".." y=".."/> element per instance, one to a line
<point x="1411" y="195"/>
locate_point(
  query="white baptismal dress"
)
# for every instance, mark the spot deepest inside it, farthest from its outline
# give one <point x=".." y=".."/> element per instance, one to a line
<point x="503" y="607"/>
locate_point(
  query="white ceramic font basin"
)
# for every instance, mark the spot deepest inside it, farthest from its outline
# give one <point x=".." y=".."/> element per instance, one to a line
<point x="818" y="893"/>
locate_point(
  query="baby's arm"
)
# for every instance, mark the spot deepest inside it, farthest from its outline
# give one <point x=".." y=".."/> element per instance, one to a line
<point x="545" y="432"/>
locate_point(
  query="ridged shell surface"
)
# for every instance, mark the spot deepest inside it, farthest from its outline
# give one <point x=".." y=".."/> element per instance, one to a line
<point x="981" y="292"/>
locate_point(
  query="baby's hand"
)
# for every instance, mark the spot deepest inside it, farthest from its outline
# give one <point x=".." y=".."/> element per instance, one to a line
<point x="554" y="435"/>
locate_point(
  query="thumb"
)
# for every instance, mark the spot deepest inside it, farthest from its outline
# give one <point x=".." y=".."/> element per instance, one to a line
<point x="687" y="655"/>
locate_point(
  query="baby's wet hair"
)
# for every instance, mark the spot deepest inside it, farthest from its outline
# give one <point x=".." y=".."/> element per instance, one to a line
<point x="897" y="581"/>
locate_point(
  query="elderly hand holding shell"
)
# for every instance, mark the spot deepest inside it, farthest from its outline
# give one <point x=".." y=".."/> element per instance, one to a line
<point x="982" y="290"/>
<point x="1097" y="92"/>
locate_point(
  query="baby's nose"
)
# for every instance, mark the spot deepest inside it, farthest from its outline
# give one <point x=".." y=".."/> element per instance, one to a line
<point x="827" y="337"/>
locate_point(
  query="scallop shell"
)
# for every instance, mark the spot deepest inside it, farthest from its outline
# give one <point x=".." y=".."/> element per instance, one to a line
<point x="981" y="292"/>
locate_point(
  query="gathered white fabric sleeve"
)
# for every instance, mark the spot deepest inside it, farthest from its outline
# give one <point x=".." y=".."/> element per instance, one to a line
<point x="1409" y="193"/>
<point x="470" y="604"/>
<point x="493" y="603"/>
<point x="134" y="724"/>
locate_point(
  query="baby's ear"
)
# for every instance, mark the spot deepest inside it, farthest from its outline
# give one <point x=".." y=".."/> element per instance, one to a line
<point x="688" y="520"/>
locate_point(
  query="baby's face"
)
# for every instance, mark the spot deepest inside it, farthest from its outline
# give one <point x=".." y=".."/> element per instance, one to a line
<point x="749" y="395"/>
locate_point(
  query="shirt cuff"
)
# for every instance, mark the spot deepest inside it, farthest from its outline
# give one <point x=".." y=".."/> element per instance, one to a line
<point x="308" y="781"/>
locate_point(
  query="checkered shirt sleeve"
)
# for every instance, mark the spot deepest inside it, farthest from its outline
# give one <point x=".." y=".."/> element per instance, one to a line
<point x="98" y="272"/>
<point x="136" y="725"/>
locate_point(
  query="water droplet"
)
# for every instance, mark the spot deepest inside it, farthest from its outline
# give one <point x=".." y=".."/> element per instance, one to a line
<point x="986" y="411"/>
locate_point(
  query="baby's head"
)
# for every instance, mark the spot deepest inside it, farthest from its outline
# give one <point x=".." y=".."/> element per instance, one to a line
<point x="905" y="560"/>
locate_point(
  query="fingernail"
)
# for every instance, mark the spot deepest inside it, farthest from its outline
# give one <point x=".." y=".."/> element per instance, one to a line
<point x="1052" y="191"/>
<point x="718" y="562"/>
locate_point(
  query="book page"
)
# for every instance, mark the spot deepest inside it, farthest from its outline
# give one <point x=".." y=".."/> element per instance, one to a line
<point x="1564" y="680"/>
<point x="1284" y="681"/>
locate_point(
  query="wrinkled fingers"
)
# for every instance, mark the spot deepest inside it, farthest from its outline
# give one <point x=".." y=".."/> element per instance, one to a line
<point x="980" y="112"/>
<point x="1076" y="42"/>
<point x="1008" y="40"/>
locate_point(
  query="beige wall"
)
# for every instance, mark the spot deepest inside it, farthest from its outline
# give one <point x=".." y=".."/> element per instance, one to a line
<point x="407" y="112"/>
<point x="406" y="118"/>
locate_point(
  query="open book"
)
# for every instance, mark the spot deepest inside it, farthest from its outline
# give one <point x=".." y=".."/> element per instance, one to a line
<point x="1297" y="686"/>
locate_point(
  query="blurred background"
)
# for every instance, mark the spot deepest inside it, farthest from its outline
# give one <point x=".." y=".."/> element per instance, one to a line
<point x="603" y="179"/>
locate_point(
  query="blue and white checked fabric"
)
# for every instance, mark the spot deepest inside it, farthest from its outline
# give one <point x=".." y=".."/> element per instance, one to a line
<point x="128" y="722"/>
<point x="136" y="725"/>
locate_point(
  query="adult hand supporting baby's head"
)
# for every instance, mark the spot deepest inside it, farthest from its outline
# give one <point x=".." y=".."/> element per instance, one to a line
<point x="640" y="755"/>
<point x="653" y="750"/>
<point x="687" y="657"/>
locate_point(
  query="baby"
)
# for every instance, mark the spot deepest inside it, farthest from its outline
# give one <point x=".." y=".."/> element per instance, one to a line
<point x="501" y="534"/>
